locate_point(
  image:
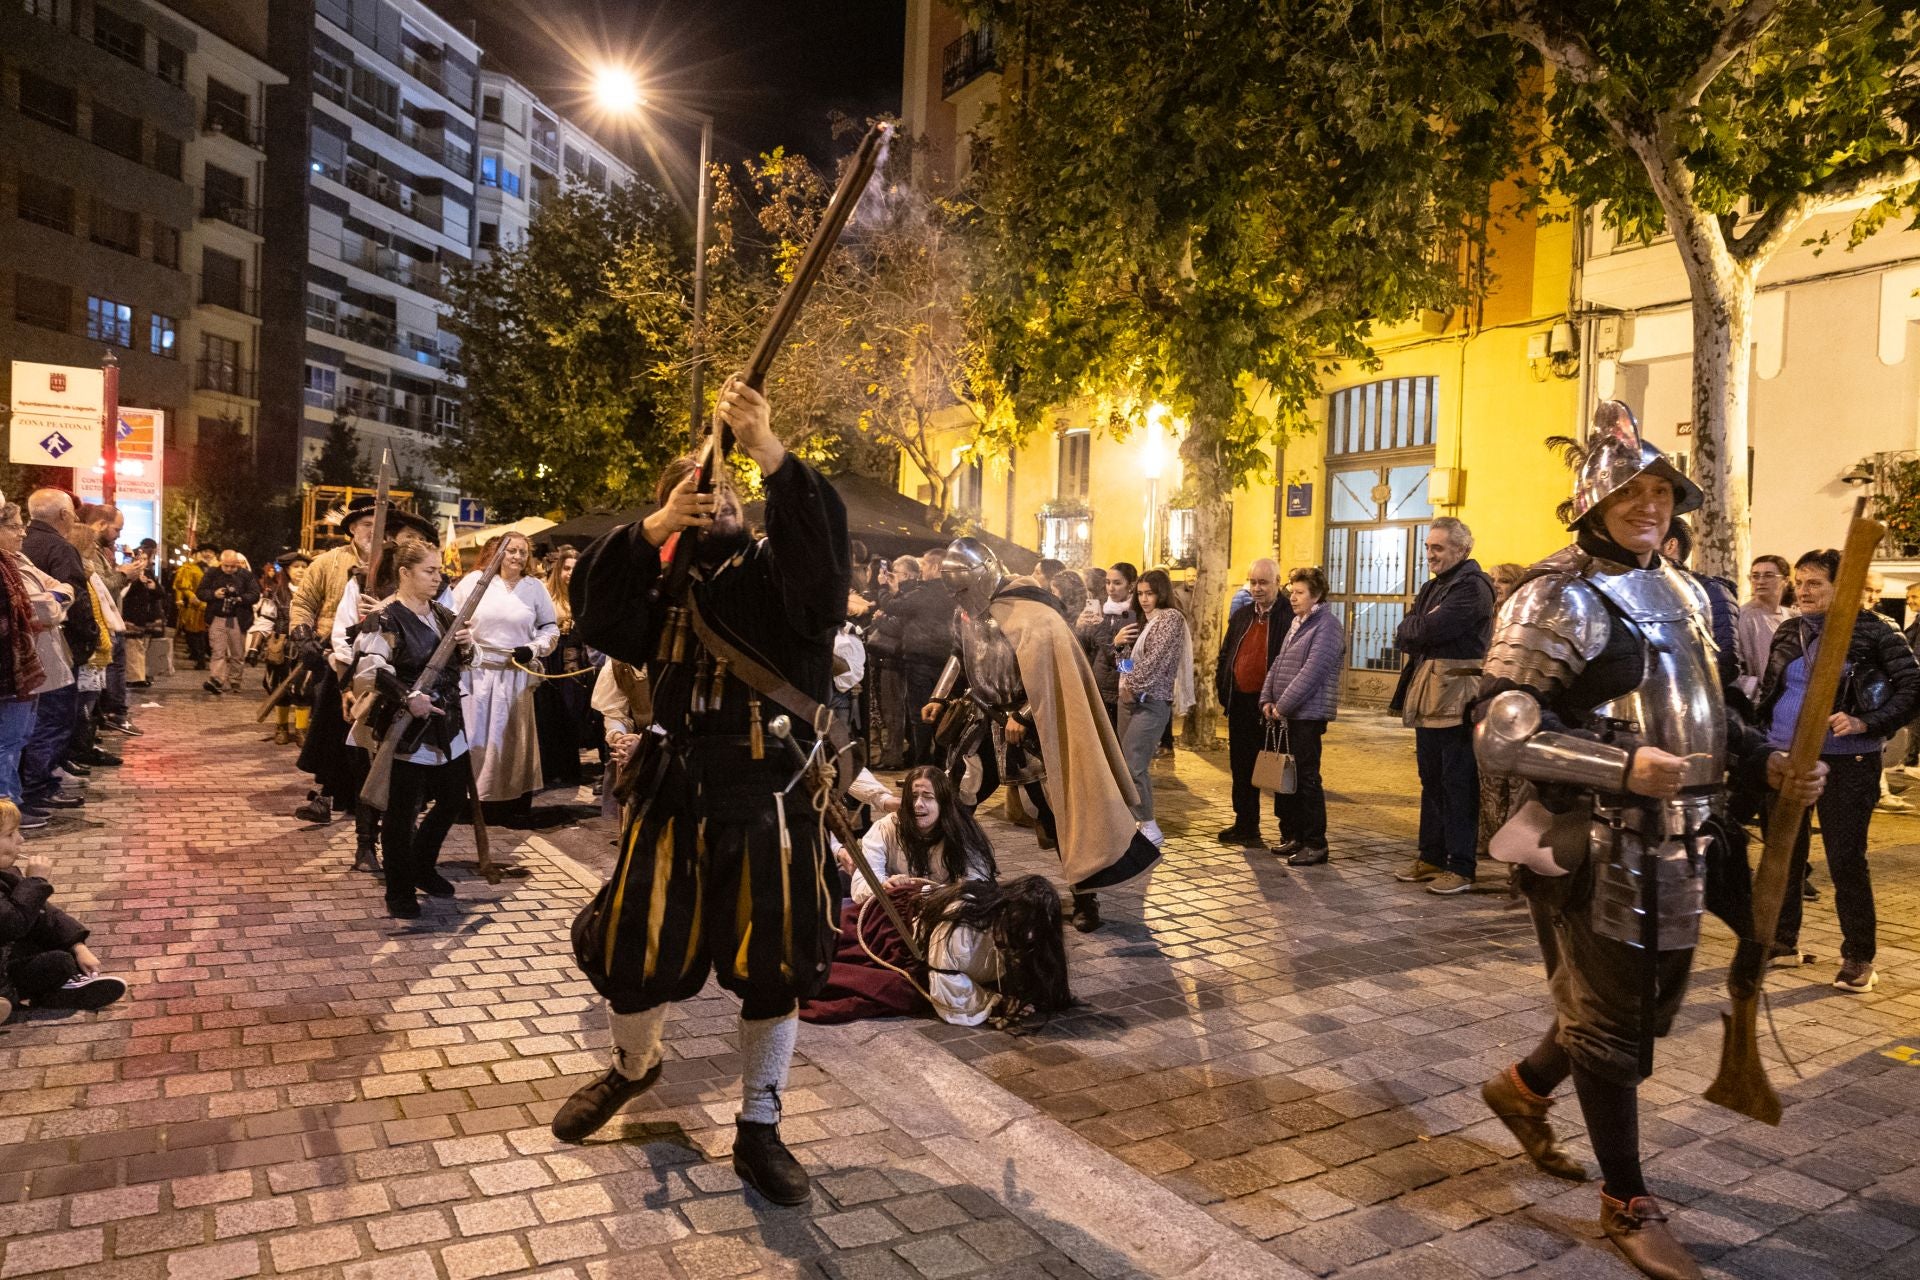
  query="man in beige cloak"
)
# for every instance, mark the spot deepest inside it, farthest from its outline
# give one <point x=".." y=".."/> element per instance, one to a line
<point x="1018" y="667"/>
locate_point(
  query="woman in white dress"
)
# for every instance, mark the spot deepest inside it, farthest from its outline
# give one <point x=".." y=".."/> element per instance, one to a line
<point x="513" y="627"/>
<point x="929" y="841"/>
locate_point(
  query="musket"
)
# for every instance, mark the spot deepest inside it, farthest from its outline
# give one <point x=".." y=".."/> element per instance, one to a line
<point x="814" y="772"/>
<point x="377" y="550"/>
<point x="1741" y="1084"/>
<point x="380" y="774"/>
<point x="671" y="587"/>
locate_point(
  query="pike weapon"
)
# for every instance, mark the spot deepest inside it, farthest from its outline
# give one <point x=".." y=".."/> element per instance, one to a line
<point x="816" y="774"/>
<point x="1742" y="1083"/>
<point x="377" y="550"/>
<point x="671" y="588"/>
<point x="274" y="697"/>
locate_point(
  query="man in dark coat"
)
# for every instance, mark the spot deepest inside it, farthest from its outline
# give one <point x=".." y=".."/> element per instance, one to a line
<point x="921" y="617"/>
<point x="722" y="867"/>
<point x="229" y="591"/>
<point x="1450" y="623"/>
<point x="1246" y="651"/>
<point x="50" y="548"/>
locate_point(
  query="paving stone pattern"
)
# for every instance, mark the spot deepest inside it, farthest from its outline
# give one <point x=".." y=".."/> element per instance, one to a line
<point x="298" y="1085"/>
<point x="1300" y="1051"/>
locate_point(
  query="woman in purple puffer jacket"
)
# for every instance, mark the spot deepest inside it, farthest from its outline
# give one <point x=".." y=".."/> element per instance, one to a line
<point x="1302" y="691"/>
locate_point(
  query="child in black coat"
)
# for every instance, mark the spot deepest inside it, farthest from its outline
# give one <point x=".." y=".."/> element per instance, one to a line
<point x="44" y="957"/>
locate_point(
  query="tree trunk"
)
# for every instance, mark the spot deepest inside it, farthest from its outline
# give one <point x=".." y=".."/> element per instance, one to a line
<point x="1213" y="535"/>
<point x="1723" y="294"/>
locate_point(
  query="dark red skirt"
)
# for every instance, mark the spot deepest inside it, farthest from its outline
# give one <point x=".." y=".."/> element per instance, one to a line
<point x="859" y="988"/>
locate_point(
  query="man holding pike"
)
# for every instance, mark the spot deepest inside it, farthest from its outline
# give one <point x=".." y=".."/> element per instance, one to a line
<point x="1600" y="689"/>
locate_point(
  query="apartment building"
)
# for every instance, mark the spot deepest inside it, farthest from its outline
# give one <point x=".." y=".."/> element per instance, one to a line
<point x="98" y="198"/>
<point x="529" y="151"/>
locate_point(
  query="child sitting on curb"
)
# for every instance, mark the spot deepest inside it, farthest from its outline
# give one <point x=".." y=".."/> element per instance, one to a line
<point x="44" y="957"/>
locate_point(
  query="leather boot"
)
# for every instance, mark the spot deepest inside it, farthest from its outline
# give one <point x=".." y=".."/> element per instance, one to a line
<point x="764" y="1163"/>
<point x="592" y="1105"/>
<point x="1639" y="1230"/>
<point x="1525" y="1115"/>
<point x="1086" y="912"/>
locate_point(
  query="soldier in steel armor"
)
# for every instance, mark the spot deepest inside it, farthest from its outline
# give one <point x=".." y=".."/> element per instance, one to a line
<point x="1018" y="667"/>
<point x="1601" y="691"/>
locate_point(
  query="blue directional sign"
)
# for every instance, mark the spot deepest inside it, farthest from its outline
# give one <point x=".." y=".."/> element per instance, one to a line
<point x="472" y="511"/>
<point x="126" y="429"/>
<point x="56" y="444"/>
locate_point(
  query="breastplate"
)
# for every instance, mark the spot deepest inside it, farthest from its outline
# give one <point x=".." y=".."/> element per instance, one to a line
<point x="993" y="674"/>
<point x="1678" y="706"/>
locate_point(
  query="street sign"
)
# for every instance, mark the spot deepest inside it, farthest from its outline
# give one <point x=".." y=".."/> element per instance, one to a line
<point x="56" y="415"/>
<point x="142" y="438"/>
<point x="472" y="511"/>
<point x="1299" y="500"/>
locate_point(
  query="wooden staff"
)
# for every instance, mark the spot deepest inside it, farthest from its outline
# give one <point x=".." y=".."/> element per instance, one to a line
<point x="1742" y="1083"/>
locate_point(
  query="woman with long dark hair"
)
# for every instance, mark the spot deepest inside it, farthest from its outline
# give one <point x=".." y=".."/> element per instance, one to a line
<point x="994" y="950"/>
<point x="562" y="704"/>
<point x="1147" y="687"/>
<point x="931" y="840"/>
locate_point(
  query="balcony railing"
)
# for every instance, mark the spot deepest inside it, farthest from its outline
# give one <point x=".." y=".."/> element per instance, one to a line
<point x="387" y="264"/>
<point x="427" y="73"/>
<point x="546" y="156"/>
<point x="215" y="292"/>
<point x="380" y="187"/>
<point x="244" y="216"/>
<point x="225" y="377"/>
<point x="967" y="59"/>
<point x="227" y="122"/>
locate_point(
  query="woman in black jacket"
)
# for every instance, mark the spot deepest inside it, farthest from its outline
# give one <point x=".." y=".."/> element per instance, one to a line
<point x="1878" y="695"/>
<point x="393" y="648"/>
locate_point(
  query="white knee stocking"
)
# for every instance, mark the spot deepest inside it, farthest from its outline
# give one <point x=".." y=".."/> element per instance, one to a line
<point x="766" y="1052"/>
<point x="636" y="1040"/>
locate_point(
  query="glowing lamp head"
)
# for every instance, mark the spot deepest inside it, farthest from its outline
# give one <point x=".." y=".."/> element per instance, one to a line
<point x="615" y="89"/>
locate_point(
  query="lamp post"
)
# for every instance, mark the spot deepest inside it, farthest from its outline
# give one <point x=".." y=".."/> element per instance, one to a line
<point x="1153" y="465"/>
<point x="620" y="94"/>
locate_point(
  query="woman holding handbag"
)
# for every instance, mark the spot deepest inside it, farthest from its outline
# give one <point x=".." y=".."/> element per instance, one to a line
<point x="1878" y="693"/>
<point x="1301" y="694"/>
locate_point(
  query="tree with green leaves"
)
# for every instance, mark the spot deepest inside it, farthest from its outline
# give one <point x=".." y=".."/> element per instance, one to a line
<point x="1203" y="203"/>
<point x="339" y="461"/>
<point x="1732" y="125"/>
<point x="881" y="363"/>
<point x="572" y="346"/>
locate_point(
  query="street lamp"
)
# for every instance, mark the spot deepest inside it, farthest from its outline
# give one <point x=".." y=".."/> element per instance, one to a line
<point x="1153" y="464"/>
<point x="618" y="93"/>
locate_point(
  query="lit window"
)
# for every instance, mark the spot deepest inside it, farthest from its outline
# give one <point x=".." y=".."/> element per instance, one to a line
<point x="322" y="384"/>
<point x="510" y="181"/>
<point x="161" y="337"/>
<point x="110" y="321"/>
<point x="489" y="171"/>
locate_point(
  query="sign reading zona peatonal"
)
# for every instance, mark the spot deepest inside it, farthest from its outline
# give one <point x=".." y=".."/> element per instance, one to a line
<point x="56" y="415"/>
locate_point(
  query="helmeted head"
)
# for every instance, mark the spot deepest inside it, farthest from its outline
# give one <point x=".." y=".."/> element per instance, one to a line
<point x="1615" y="455"/>
<point x="972" y="573"/>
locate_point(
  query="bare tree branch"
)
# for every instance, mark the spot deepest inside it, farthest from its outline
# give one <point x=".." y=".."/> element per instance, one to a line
<point x="1536" y="23"/>
<point x="1771" y="231"/>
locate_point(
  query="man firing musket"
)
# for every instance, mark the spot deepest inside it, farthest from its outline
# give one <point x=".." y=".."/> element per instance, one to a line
<point x="1601" y="690"/>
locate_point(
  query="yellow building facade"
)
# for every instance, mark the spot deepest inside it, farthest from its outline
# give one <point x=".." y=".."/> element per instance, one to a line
<point x="1451" y="420"/>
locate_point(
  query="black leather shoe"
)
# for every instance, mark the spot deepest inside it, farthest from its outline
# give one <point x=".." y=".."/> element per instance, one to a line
<point x="1086" y="912"/>
<point x="1238" y="836"/>
<point x="764" y="1163"/>
<point x="1285" y="849"/>
<point x="1307" y="856"/>
<point x="99" y="757"/>
<point x="77" y="768"/>
<point x="315" y="810"/>
<point x="58" y="801"/>
<point x="593" y="1104"/>
<point x="435" y="885"/>
<point x="403" y="908"/>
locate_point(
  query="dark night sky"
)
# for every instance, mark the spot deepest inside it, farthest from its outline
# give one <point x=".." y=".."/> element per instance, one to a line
<point x="769" y="71"/>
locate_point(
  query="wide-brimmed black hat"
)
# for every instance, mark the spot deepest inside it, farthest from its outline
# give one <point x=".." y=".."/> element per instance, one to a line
<point x="398" y="519"/>
<point x="361" y="508"/>
<point x="287" y="559"/>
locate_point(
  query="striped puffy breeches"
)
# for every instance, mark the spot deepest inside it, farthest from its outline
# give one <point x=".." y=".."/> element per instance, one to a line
<point x="705" y="881"/>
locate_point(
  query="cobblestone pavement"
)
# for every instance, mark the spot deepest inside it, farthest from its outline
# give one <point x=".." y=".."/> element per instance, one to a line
<point x="298" y="1085"/>
<point x="1274" y="1073"/>
<point x="1300" y="1051"/>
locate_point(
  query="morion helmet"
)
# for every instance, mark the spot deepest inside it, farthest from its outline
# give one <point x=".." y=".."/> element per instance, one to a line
<point x="973" y="574"/>
<point x="1615" y="455"/>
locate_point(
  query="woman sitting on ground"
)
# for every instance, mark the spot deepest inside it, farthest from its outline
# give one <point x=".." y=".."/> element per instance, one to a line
<point x="929" y="841"/>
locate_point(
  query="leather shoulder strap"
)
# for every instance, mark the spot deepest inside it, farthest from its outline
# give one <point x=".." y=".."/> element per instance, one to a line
<point x="769" y="684"/>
